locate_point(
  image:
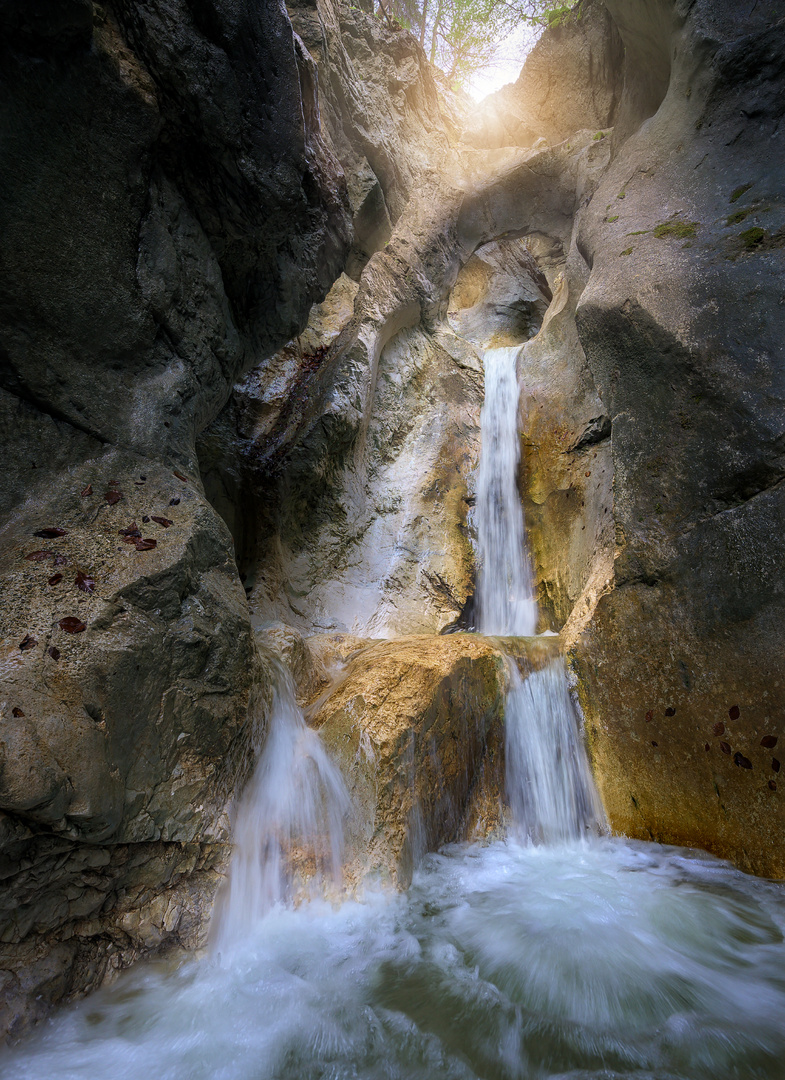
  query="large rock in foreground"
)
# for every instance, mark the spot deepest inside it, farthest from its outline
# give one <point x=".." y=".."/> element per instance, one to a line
<point x="415" y="726"/>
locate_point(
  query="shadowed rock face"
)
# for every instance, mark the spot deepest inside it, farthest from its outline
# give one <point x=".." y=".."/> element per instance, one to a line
<point x="167" y="208"/>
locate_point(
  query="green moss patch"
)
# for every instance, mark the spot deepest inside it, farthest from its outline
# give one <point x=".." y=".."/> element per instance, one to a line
<point x="627" y="251"/>
<point x="599" y="135"/>
<point x="752" y="238"/>
<point x="680" y="230"/>
<point x="737" y="194"/>
<point x="614" y="218"/>
<point x="738" y="217"/>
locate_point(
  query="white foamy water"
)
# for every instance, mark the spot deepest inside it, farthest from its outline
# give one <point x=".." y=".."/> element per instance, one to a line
<point x="505" y="598"/>
<point x="549" y="786"/>
<point x="289" y="824"/>
<point x="587" y="961"/>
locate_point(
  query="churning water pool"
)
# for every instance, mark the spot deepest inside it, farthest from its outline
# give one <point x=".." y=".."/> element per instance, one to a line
<point x="593" y="959"/>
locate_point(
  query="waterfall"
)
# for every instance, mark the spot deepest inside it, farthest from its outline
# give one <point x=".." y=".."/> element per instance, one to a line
<point x="549" y="785"/>
<point x="506" y="603"/>
<point x="289" y="823"/>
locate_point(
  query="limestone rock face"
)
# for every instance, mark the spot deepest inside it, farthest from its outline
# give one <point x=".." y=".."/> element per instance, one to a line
<point x="682" y="325"/>
<point x="412" y="725"/>
<point x="167" y="208"/>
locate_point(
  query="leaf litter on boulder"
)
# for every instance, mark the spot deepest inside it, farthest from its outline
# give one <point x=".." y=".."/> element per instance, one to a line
<point x="113" y="497"/>
<point x="55" y="579"/>
<point x="165" y="521"/>
<point x="72" y="625"/>
<point x="54" y="652"/>
<point x="734" y="712"/>
<point x="741" y="761"/>
<point x="725" y="747"/>
<point x="145" y="545"/>
<point x="180" y="476"/>
<point x="87" y="491"/>
<point x="27" y="642"/>
<point x="50" y="534"/>
<point x="130" y="533"/>
<point x="719" y="729"/>
<point x="85" y="583"/>
<point x="16" y="711"/>
<point x="769" y="741"/>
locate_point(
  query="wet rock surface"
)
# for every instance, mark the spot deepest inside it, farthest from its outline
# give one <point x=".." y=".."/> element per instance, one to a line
<point x="415" y="726"/>
<point x="167" y="208"/>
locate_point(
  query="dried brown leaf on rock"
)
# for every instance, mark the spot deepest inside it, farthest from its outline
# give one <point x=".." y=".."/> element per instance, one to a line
<point x="649" y="716"/>
<point x="741" y="761"/>
<point x="180" y="476"/>
<point x="719" y="729"/>
<point x="166" y="522"/>
<point x="145" y="545"/>
<point x="54" y="652"/>
<point x="87" y="491"/>
<point x="174" y="502"/>
<point x="39" y="556"/>
<point x="16" y="711"/>
<point x="775" y="764"/>
<point x="113" y="497"/>
<point x="130" y="533"/>
<point x="772" y="785"/>
<point x="27" y="642"/>
<point x="725" y="748"/>
<point x="85" y="583"/>
<point x="72" y="625"/>
<point x="734" y="712"/>
<point x="670" y="711"/>
<point x="769" y="741"/>
<point x="50" y="534"/>
<point x="55" y="579"/>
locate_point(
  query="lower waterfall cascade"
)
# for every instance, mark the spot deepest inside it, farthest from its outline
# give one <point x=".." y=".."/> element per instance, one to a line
<point x="558" y="952"/>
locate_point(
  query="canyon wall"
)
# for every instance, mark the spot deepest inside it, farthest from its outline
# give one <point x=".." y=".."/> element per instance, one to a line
<point x="250" y="263"/>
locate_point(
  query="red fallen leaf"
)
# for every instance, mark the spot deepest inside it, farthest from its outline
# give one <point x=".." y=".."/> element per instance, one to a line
<point x="113" y="497"/>
<point x="707" y="747"/>
<point x="60" y="560"/>
<point x="719" y="729"/>
<point x="725" y="748"/>
<point x="734" y="712"/>
<point x="649" y="716"/>
<point x="50" y="534"/>
<point x="180" y="476"/>
<point x="85" y="583"/>
<point x="769" y="741"/>
<point x="588" y="474"/>
<point x="145" y="545"/>
<point x="87" y="491"/>
<point x="775" y="764"/>
<point x="654" y="743"/>
<point x="53" y="652"/>
<point x="27" y="643"/>
<point x="670" y="711"/>
<point x="174" y="502"/>
<point x="16" y="711"/>
<point x="72" y="625"/>
<point x="55" y="579"/>
<point x="130" y="533"/>
<point x="772" y="785"/>
<point x="741" y="761"/>
<point x="166" y="522"/>
<point x="39" y="556"/>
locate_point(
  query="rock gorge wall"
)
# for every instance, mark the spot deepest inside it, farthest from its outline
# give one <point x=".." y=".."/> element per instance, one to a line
<point x="184" y="181"/>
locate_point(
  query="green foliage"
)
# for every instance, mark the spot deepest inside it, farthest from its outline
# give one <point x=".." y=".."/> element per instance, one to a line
<point x="738" y="217"/>
<point x="614" y="218"/>
<point x="752" y="238"/>
<point x="627" y="251"/>
<point x="680" y="230"/>
<point x="599" y="135"/>
<point x="737" y="194"/>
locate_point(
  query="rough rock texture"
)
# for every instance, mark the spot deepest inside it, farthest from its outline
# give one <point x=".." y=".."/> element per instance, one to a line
<point x="411" y="725"/>
<point x="167" y="209"/>
<point x="682" y="324"/>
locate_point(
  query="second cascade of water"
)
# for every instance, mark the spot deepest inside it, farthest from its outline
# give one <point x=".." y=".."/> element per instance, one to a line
<point x="289" y="821"/>
<point x="550" y="790"/>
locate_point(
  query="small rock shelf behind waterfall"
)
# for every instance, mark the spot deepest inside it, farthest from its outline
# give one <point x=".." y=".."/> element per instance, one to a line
<point x="554" y="951"/>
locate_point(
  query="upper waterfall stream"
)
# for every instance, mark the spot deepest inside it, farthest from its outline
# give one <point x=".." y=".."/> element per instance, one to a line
<point x="557" y="954"/>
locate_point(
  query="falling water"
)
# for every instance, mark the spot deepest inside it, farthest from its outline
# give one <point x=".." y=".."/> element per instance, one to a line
<point x="506" y="603"/>
<point x="549" y="786"/>
<point x="289" y="825"/>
